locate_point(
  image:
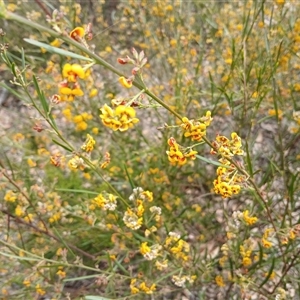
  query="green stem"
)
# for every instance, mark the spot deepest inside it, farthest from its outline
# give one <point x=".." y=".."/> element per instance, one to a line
<point x="93" y="167"/>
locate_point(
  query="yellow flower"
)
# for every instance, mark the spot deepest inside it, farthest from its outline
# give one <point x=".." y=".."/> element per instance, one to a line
<point x="10" y="196"/>
<point x="173" y="42"/>
<point x="127" y="83"/>
<point x="56" y="43"/>
<point x="12" y="7"/>
<point x="292" y="234"/>
<point x="194" y="129"/>
<point x="247" y="261"/>
<point x="61" y="273"/>
<point x="31" y="163"/>
<point x="144" y="249"/>
<point x="122" y="118"/>
<point x="272" y="112"/>
<point x="19" y="211"/>
<point x="133" y="288"/>
<point x="55" y="217"/>
<point x="89" y="144"/>
<point x="177" y="155"/>
<point x="249" y="220"/>
<point x="69" y="92"/>
<point x="219" y="281"/>
<point x="50" y="65"/>
<point x="107" y="202"/>
<point x="76" y="163"/>
<point x="39" y="290"/>
<point x="106" y="161"/>
<point x="18" y="137"/>
<point x="223" y="260"/>
<point x="146" y="289"/>
<point x="72" y="72"/>
<point x="93" y="93"/>
<point x="272" y="275"/>
<point x="266" y="243"/>
<point x="26" y="282"/>
<point x="148" y="195"/>
<point x="222" y="188"/>
<point x="29" y="218"/>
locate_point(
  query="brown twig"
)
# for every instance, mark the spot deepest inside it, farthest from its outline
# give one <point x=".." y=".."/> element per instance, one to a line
<point x="42" y="6"/>
<point x="15" y="184"/>
<point x="286" y="268"/>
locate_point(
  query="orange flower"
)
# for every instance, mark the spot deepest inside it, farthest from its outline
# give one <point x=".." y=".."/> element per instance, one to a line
<point x="77" y="33"/>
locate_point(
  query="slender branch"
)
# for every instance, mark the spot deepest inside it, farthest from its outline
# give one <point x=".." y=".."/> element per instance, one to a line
<point x="43" y="7"/>
<point x="285" y="271"/>
<point x="23" y="194"/>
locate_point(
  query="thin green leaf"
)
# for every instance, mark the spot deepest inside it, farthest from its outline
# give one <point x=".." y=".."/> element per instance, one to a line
<point x="96" y="298"/>
<point x="41" y="96"/>
<point x="77" y="191"/>
<point x="44" y="102"/>
<point x="248" y="158"/>
<point x="23" y="59"/>
<point x="62" y="145"/>
<point x="13" y="91"/>
<point x="119" y="264"/>
<point x="63" y="242"/>
<point x="80" y="278"/>
<point x="212" y="162"/>
<point x="129" y="178"/>
<point x="57" y="50"/>
<point x="258" y="199"/>
<point x="19" y="257"/>
<point x="269" y="273"/>
<point x="13" y="69"/>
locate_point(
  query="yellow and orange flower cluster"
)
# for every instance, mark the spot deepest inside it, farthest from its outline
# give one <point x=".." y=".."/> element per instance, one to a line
<point x="134" y="216"/>
<point x="69" y="87"/>
<point x="268" y="234"/>
<point x="177" y="155"/>
<point x="228" y="181"/>
<point x="246" y="252"/>
<point x="104" y="201"/>
<point x="249" y="220"/>
<point x="196" y="129"/>
<point x="177" y="246"/>
<point x="89" y="144"/>
<point x="150" y="253"/>
<point x="227" y="148"/>
<point x="122" y="118"/>
<point x="76" y="163"/>
<point x="142" y="287"/>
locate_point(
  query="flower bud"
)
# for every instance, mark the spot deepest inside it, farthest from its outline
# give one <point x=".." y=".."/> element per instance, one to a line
<point x="122" y="61"/>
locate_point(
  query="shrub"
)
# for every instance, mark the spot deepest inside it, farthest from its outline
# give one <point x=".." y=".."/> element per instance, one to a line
<point x="170" y="170"/>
